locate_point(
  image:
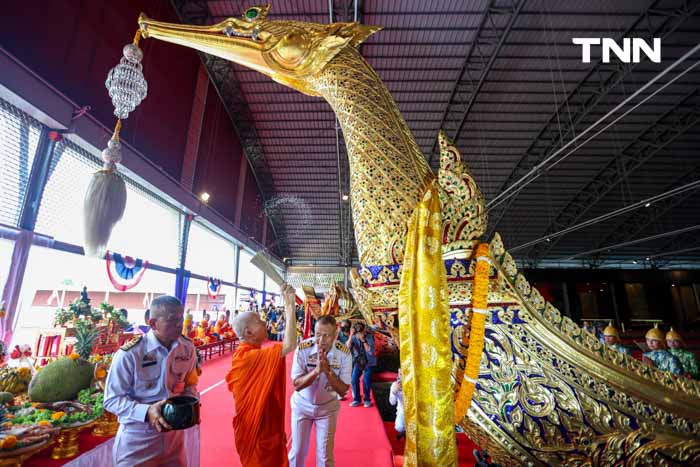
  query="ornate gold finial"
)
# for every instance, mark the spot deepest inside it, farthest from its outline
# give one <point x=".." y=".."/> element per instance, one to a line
<point x="673" y="335"/>
<point x="464" y="217"/>
<point x="610" y="330"/>
<point x="655" y="333"/>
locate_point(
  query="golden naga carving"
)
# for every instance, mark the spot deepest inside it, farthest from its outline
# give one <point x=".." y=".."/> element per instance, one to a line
<point x="548" y="392"/>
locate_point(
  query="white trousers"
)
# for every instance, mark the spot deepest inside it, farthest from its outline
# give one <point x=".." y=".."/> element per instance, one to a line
<point x="304" y="416"/>
<point x="139" y="445"/>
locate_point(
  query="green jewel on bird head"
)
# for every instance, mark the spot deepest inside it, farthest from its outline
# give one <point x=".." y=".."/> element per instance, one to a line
<point x="251" y="13"/>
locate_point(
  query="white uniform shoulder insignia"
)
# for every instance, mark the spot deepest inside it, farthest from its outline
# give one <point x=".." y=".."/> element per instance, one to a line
<point x="131" y="344"/>
<point x="306" y="344"/>
<point x="342" y="347"/>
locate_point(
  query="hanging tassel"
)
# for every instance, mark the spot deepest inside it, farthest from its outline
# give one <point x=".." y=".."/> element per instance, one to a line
<point x="105" y="200"/>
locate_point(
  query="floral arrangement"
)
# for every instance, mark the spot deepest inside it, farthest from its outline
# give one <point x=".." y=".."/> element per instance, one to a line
<point x="88" y="407"/>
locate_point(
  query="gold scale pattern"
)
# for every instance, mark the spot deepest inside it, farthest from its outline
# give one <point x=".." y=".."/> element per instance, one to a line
<point x="382" y="153"/>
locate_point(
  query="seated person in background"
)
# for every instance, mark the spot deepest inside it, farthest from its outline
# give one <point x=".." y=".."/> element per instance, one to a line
<point x="221" y="325"/>
<point x="612" y="339"/>
<point x="658" y="356"/>
<point x="688" y="360"/>
<point x="187" y="324"/>
<point x="202" y="329"/>
<point x="396" y="398"/>
<point x="204" y="332"/>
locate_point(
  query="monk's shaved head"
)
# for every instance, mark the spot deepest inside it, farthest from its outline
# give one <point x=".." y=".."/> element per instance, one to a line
<point x="244" y="320"/>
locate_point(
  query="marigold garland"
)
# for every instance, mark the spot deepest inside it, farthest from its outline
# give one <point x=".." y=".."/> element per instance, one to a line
<point x="476" y="332"/>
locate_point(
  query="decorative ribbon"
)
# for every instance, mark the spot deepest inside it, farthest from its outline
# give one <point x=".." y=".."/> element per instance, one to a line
<point x="124" y="272"/>
<point x="476" y="332"/>
<point x="213" y="287"/>
<point x="426" y="356"/>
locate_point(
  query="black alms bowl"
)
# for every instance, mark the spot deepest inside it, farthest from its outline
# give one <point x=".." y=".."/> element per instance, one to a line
<point x="181" y="412"/>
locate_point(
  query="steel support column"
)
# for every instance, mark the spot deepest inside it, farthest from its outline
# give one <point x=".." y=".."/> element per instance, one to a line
<point x="180" y="289"/>
<point x="38" y="177"/>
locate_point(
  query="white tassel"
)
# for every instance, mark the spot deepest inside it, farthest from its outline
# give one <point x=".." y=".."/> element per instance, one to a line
<point x="105" y="200"/>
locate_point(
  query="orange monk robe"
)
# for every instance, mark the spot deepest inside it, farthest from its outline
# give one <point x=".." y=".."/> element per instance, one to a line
<point x="203" y="329"/>
<point x="257" y="381"/>
<point x="221" y="327"/>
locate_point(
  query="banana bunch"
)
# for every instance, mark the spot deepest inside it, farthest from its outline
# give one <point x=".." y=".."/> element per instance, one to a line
<point x="15" y="380"/>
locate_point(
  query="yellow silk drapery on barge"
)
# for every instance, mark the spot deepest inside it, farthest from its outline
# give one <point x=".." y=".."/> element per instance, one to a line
<point x="424" y="323"/>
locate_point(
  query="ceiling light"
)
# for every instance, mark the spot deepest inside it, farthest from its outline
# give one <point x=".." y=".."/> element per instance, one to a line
<point x="647" y="205"/>
<point x="548" y="240"/>
<point x="673" y="285"/>
<point x="634" y="261"/>
<point x="346" y="197"/>
<point x="205" y="196"/>
<point x="648" y="259"/>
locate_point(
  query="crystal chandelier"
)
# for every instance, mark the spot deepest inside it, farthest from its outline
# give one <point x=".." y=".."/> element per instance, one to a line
<point x="125" y="82"/>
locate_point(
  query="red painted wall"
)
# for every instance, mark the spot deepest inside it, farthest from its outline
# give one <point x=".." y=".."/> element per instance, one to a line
<point x="73" y="45"/>
<point x="219" y="158"/>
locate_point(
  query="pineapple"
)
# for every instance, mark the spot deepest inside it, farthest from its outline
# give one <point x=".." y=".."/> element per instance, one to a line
<point x="85" y="335"/>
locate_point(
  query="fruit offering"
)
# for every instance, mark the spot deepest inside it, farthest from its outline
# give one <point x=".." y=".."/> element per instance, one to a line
<point x="15" y="380"/>
<point x="61" y="380"/>
<point x="23" y="436"/>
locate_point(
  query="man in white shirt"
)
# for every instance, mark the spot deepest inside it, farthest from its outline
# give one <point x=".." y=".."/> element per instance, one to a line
<point x="144" y="373"/>
<point x="321" y="372"/>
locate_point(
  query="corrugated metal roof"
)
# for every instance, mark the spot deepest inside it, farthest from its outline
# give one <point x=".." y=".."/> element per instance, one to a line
<point x="534" y="95"/>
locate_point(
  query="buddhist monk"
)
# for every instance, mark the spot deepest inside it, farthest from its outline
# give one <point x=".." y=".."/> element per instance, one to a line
<point x="257" y="381"/>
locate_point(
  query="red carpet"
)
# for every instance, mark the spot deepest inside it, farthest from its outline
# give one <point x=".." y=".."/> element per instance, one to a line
<point x="464" y="447"/>
<point x="359" y="440"/>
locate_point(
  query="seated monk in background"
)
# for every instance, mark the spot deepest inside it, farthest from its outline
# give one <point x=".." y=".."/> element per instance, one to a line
<point x="187" y="324"/>
<point x="257" y="380"/>
<point x="221" y="325"/>
<point x="331" y="305"/>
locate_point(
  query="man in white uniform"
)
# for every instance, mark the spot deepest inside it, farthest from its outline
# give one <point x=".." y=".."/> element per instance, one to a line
<point x="321" y="372"/>
<point x="144" y="373"/>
